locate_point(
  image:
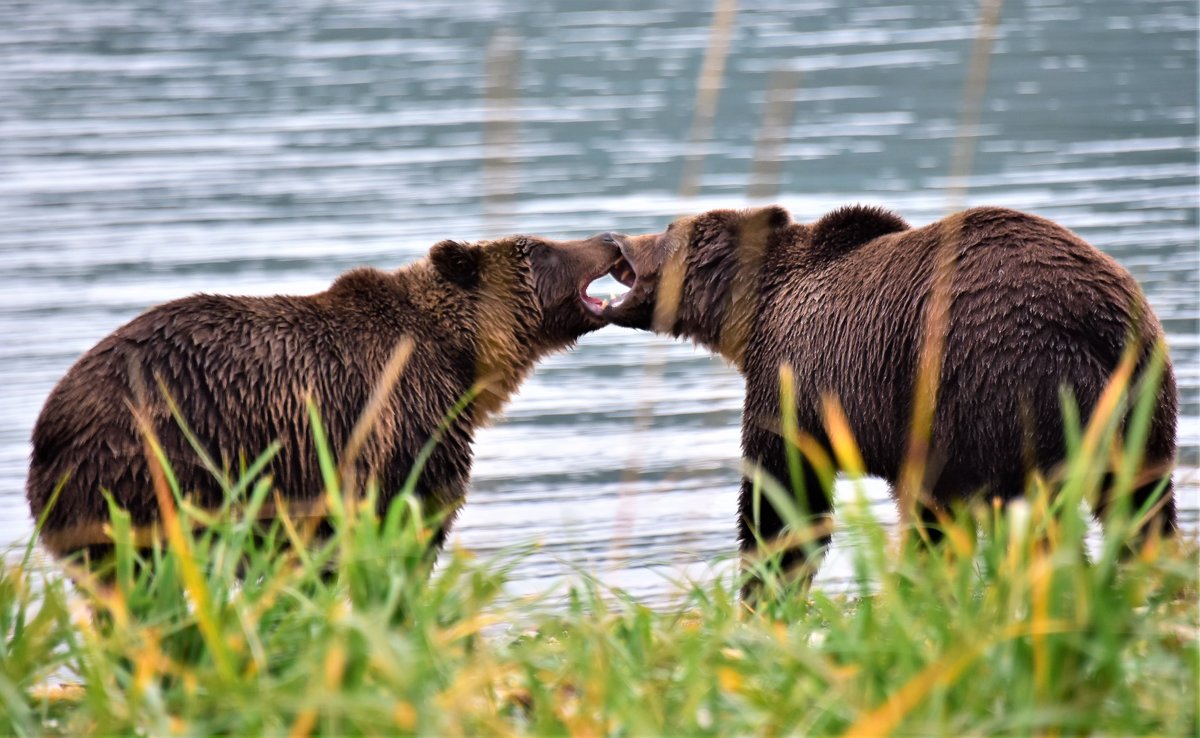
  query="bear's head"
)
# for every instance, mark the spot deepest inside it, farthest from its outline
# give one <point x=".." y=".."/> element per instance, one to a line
<point x="528" y="297"/>
<point x="540" y="282"/>
<point x="700" y="277"/>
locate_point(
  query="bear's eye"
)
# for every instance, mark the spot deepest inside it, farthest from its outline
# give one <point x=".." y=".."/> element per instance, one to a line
<point x="545" y="257"/>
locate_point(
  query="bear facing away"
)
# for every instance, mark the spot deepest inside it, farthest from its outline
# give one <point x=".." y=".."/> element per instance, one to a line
<point x="1033" y="310"/>
<point x="241" y="370"/>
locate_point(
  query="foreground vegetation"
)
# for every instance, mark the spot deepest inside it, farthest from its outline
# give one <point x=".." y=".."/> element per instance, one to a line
<point x="230" y="630"/>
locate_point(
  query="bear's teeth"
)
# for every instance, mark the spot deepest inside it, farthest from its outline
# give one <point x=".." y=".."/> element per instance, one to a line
<point x="603" y="304"/>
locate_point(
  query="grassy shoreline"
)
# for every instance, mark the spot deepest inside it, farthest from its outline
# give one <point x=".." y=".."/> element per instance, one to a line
<point x="1007" y="634"/>
<point x="228" y="625"/>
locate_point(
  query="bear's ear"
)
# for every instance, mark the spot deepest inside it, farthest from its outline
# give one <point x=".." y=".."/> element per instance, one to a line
<point x="775" y="216"/>
<point x="457" y="262"/>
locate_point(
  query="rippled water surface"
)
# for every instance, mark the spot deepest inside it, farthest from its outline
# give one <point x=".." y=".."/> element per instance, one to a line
<point x="149" y="150"/>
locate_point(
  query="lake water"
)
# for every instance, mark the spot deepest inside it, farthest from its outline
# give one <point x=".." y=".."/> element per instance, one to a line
<point x="149" y="150"/>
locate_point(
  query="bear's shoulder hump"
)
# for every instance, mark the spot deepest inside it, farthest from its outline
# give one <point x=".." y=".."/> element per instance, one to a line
<point x="364" y="282"/>
<point x="851" y="226"/>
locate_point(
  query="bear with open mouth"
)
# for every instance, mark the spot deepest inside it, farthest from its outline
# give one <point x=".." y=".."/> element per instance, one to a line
<point x="242" y="370"/>
<point x="843" y="301"/>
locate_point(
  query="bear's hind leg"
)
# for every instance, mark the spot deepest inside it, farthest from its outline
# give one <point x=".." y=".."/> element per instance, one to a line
<point x="1161" y="516"/>
<point x="926" y="525"/>
<point x="931" y="524"/>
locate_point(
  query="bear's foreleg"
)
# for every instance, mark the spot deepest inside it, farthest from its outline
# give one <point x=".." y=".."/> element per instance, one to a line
<point x="796" y="537"/>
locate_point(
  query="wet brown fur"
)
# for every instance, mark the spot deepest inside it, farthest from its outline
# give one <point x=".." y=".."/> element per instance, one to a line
<point x="1034" y="309"/>
<point x="242" y="368"/>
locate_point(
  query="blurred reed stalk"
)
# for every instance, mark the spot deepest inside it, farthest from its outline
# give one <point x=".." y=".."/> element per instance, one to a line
<point x="972" y="108"/>
<point x="911" y="489"/>
<point x="766" y="169"/>
<point x="708" y="89"/>
<point x="500" y="133"/>
<point x="368" y="420"/>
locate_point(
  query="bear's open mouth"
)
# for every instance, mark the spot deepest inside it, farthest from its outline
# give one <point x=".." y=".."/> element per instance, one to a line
<point x="595" y="305"/>
<point x="622" y="271"/>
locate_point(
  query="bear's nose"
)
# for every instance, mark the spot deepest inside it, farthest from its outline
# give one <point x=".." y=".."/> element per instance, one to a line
<point x="609" y="237"/>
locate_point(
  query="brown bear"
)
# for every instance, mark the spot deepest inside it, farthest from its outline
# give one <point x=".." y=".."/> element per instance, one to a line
<point x="241" y="371"/>
<point x="1033" y="310"/>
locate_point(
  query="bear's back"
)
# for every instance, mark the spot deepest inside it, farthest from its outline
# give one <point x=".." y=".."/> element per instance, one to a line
<point x="221" y="359"/>
<point x="1033" y="308"/>
<point x="241" y="371"/>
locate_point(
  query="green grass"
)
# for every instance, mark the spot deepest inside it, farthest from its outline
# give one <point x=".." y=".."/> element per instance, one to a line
<point x="1014" y="630"/>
